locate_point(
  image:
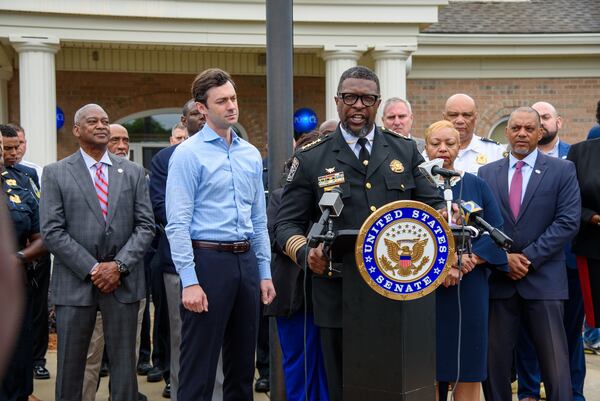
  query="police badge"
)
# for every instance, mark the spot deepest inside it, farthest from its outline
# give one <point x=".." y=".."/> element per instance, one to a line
<point x="404" y="250"/>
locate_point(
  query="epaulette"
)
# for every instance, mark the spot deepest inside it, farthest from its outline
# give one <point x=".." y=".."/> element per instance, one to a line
<point x="393" y="133"/>
<point x="4" y="173"/>
<point x="489" y="140"/>
<point x="314" y="143"/>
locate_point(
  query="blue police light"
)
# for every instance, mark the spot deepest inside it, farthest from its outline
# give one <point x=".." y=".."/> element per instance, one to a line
<point x="60" y="118"/>
<point x="305" y="120"/>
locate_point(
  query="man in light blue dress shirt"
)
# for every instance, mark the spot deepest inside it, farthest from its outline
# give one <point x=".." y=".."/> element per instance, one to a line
<point x="217" y="229"/>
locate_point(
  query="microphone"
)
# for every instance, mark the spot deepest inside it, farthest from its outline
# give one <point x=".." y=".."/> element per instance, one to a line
<point x="473" y="216"/>
<point x="331" y="205"/>
<point x="332" y="201"/>
<point x="434" y="167"/>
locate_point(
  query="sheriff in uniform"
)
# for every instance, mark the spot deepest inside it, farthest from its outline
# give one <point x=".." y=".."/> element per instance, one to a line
<point x="373" y="167"/>
<point x="479" y="152"/>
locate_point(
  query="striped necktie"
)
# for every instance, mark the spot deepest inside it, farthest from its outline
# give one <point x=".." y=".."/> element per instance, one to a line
<point x="101" y="186"/>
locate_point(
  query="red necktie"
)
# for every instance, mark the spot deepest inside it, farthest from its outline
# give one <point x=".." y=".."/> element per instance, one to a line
<point x="516" y="189"/>
<point x="101" y="189"/>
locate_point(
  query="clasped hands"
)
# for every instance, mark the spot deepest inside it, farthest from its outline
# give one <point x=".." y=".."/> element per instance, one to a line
<point x="106" y="277"/>
<point x="468" y="261"/>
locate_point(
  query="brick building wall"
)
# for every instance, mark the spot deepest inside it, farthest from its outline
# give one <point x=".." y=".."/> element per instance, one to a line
<point x="574" y="98"/>
<point x="123" y="94"/>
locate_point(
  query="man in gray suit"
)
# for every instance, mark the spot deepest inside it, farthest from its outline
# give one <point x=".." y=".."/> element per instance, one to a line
<point x="96" y="218"/>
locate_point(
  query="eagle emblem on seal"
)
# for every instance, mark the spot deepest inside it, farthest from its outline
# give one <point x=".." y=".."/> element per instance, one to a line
<point x="403" y="259"/>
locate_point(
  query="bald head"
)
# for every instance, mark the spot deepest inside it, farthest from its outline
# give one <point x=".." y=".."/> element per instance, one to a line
<point x="551" y="124"/>
<point x="461" y="112"/>
<point x="118" y="142"/>
<point x="328" y="126"/>
<point x="191" y="117"/>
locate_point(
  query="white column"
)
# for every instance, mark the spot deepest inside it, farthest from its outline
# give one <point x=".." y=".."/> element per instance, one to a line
<point x="337" y="60"/>
<point x="37" y="95"/>
<point x="5" y="75"/>
<point x="391" y="66"/>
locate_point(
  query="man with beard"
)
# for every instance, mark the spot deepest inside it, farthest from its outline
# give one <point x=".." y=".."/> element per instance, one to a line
<point x="528" y="370"/>
<point x="373" y="167"/>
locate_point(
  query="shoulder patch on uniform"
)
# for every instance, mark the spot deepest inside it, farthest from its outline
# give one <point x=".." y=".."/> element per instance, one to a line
<point x="489" y="140"/>
<point x="314" y="143"/>
<point x="293" y="169"/>
<point x="393" y="133"/>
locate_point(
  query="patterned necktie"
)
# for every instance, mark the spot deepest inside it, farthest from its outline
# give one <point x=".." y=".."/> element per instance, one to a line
<point x="516" y="189"/>
<point x="101" y="189"/>
<point x="363" y="154"/>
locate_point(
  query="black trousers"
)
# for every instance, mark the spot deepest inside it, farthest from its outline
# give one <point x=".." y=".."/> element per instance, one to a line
<point x="145" y="350"/>
<point x="231" y="283"/>
<point x="39" y="311"/>
<point x="262" y="346"/>
<point x="332" y="347"/>
<point x="161" y="344"/>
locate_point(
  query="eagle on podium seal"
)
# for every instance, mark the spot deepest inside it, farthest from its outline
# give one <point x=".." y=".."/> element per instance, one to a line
<point x="404" y="250"/>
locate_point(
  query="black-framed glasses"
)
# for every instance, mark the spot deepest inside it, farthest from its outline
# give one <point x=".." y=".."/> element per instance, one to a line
<point x="350" y="99"/>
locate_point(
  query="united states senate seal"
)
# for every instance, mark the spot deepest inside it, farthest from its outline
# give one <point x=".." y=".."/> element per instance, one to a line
<point x="404" y="250"/>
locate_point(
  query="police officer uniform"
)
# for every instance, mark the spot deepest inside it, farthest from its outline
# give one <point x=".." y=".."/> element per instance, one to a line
<point x="480" y="152"/>
<point x="17" y="383"/>
<point x="389" y="174"/>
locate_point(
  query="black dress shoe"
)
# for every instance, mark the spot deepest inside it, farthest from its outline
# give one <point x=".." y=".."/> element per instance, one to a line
<point x="104" y="369"/>
<point x="155" y="374"/>
<point x="262" y="385"/>
<point x="167" y="391"/>
<point x="142" y="397"/>
<point x="143" y="368"/>
<point x="40" y="372"/>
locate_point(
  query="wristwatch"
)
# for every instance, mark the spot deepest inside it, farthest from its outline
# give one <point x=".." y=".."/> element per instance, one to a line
<point x="122" y="268"/>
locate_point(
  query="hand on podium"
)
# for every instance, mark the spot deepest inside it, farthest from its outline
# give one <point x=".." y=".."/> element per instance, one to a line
<point x="317" y="260"/>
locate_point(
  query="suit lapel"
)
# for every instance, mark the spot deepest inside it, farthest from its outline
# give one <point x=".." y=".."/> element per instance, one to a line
<point x="379" y="152"/>
<point x="534" y="182"/>
<point x="115" y="182"/>
<point x="345" y="155"/>
<point x="81" y="175"/>
<point x="502" y="182"/>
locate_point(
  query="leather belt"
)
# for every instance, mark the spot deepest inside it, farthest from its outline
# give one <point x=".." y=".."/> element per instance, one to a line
<point x="235" y="247"/>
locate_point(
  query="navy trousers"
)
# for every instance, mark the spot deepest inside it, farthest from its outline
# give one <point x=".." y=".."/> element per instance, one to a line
<point x="543" y="320"/>
<point x="528" y="368"/>
<point x="231" y="283"/>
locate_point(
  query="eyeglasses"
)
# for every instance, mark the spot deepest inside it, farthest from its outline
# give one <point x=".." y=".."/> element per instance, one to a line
<point x="350" y="99"/>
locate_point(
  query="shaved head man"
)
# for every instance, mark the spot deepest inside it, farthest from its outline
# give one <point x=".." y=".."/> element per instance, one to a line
<point x="551" y="124"/>
<point x="475" y="151"/>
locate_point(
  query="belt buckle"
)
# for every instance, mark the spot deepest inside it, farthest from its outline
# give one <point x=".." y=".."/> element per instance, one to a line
<point x="239" y="247"/>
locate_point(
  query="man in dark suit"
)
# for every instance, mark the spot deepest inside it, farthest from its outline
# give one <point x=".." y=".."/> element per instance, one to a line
<point x="528" y="371"/>
<point x="373" y="167"/>
<point x="540" y="203"/>
<point x="96" y="219"/>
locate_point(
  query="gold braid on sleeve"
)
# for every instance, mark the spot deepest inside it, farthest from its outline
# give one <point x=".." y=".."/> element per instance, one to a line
<point x="292" y="245"/>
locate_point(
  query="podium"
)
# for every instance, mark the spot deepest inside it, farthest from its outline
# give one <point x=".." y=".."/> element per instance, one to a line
<point x="388" y="345"/>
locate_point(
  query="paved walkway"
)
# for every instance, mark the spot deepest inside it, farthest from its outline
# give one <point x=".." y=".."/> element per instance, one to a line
<point x="44" y="389"/>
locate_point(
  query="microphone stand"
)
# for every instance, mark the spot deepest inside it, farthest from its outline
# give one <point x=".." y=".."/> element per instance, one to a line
<point x="448" y="198"/>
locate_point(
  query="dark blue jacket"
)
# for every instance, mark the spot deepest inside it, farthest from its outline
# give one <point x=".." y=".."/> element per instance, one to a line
<point x="159" y="169"/>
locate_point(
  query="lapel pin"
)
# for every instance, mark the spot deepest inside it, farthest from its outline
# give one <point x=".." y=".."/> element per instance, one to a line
<point x="120" y="171"/>
<point x="538" y="172"/>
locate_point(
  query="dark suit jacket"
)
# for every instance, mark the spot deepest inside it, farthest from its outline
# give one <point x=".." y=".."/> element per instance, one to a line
<point x="74" y="229"/>
<point x="548" y="219"/>
<point x="159" y="169"/>
<point x="585" y="156"/>
<point x="29" y="172"/>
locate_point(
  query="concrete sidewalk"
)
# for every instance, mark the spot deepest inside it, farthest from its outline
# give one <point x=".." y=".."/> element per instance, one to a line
<point x="44" y="389"/>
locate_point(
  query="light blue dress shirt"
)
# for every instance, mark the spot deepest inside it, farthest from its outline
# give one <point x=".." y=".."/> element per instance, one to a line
<point x="352" y="140"/>
<point x="91" y="164"/>
<point x="215" y="193"/>
<point x="526" y="170"/>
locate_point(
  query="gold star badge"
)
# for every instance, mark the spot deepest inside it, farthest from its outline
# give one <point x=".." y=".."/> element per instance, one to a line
<point x="481" y="159"/>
